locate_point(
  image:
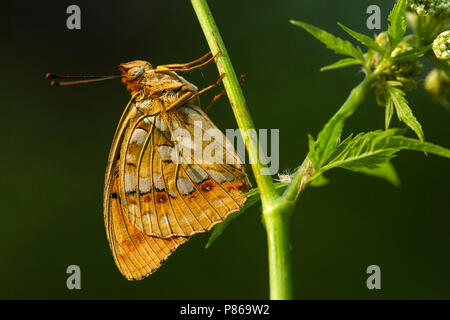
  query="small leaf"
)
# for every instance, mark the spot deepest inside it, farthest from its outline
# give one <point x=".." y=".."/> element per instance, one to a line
<point x="366" y="150"/>
<point x="326" y="143"/>
<point x="404" y="112"/>
<point x="312" y="155"/>
<point x="328" y="137"/>
<point x="394" y="83"/>
<point x="397" y="27"/>
<point x="372" y="149"/>
<point x="332" y="42"/>
<point x="218" y="229"/>
<point x="401" y="142"/>
<point x="411" y="54"/>
<point x="341" y="64"/>
<point x="319" y="181"/>
<point x="384" y="171"/>
<point x="388" y="113"/>
<point x="365" y="40"/>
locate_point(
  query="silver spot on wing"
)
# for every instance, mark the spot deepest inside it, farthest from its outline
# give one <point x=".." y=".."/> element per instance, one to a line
<point x="145" y="185"/>
<point x="184" y="186"/>
<point x="172" y="194"/>
<point x="160" y="124"/>
<point x="228" y="176"/>
<point x="158" y="182"/>
<point x="165" y="152"/>
<point x="145" y="104"/>
<point x="138" y="136"/>
<point x="129" y="182"/>
<point x="218" y="177"/>
<point x="197" y="174"/>
<point x="149" y="119"/>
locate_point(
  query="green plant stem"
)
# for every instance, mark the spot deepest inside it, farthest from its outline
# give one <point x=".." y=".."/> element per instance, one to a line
<point x="306" y="171"/>
<point x="237" y="100"/>
<point x="276" y="213"/>
<point x="277" y="223"/>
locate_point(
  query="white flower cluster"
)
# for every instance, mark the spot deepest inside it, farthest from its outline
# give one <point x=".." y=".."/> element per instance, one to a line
<point x="439" y="8"/>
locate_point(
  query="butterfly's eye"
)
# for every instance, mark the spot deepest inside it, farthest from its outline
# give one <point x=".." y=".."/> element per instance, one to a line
<point x="135" y="72"/>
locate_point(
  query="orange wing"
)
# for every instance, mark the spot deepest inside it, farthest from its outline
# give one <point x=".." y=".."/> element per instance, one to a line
<point x="166" y="198"/>
<point x="135" y="253"/>
<point x="153" y="204"/>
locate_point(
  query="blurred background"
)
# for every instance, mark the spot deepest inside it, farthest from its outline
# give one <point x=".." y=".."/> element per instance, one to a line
<point x="55" y="142"/>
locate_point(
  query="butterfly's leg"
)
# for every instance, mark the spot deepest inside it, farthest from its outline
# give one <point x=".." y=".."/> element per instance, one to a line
<point x="219" y="81"/>
<point x="191" y="95"/>
<point x="191" y="68"/>
<point x="182" y="65"/>
<point x="217" y="97"/>
<point x="207" y="88"/>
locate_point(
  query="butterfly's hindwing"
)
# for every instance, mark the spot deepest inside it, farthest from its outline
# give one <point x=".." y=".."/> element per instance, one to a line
<point x="136" y="254"/>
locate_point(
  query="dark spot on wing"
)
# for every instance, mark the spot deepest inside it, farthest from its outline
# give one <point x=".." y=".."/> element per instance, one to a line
<point x="161" y="197"/>
<point x="207" y="185"/>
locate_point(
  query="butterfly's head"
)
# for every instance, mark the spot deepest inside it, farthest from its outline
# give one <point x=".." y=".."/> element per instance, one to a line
<point x="133" y="72"/>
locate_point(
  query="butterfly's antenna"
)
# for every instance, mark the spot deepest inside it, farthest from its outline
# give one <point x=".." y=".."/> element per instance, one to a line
<point x="85" y="79"/>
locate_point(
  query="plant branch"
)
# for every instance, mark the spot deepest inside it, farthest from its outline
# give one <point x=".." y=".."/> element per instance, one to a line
<point x="306" y="171"/>
<point x="237" y="101"/>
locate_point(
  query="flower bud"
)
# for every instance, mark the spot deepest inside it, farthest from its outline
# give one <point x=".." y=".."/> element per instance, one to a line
<point x="402" y="71"/>
<point x="437" y="85"/>
<point x="441" y="46"/>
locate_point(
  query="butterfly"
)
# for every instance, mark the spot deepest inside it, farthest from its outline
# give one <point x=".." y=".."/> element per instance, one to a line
<point x="153" y="200"/>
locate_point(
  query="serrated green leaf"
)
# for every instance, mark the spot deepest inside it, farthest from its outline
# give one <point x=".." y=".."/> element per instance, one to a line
<point x="341" y="64"/>
<point x="384" y="171"/>
<point x="402" y="142"/>
<point x="404" y="112"/>
<point x="366" y="150"/>
<point x="411" y="54"/>
<point x="332" y="42"/>
<point x="326" y="142"/>
<point x="388" y="112"/>
<point x="397" y="26"/>
<point x="372" y="149"/>
<point x="328" y="137"/>
<point x="312" y="152"/>
<point x="365" y="40"/>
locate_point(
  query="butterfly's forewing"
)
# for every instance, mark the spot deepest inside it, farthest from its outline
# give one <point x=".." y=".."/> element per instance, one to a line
<point x="165" y="198"/>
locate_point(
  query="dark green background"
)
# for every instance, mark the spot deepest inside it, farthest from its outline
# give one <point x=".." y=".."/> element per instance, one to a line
<point x="55" y="143"/>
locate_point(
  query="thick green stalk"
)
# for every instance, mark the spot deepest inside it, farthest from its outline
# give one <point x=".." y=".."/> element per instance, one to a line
<point x="276" y="213"/>
<point x="277" y="223"/>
